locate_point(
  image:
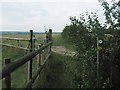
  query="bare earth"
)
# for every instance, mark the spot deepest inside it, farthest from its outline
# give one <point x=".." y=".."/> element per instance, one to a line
<point x="62" y="50"/>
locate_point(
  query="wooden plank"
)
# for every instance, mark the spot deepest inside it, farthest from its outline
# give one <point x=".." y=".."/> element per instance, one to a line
<point x="19" y="62"/>
<point x="8" y="45"/>
<point x="30" y="62"/>
<point x="9" y="38"/>
<point x="50" y="37"/>
<point x="39" y="58"/>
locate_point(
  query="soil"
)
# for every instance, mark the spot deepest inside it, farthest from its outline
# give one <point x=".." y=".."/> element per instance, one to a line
<point x="62" y="50"/>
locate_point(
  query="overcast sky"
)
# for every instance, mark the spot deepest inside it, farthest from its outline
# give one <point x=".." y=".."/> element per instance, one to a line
<point x="23" y="15"/>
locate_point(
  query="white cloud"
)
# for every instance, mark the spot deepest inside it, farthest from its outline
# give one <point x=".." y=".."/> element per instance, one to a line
<point x="26" y="15"/>
<point x="48" y="1"/>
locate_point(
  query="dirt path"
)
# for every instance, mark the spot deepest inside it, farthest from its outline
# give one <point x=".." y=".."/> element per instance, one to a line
<point x="62" y="50"/>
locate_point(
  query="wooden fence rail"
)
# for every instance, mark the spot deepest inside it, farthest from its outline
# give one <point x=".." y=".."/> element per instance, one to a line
<point x="9" y="45"/>
<point x="17" y="39"/>
<point x="12" y="66"/>
<point x="18" y="42"/>
<point x="19" y="62"/>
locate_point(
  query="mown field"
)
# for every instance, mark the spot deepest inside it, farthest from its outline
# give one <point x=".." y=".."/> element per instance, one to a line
<point x="19" y="77"/>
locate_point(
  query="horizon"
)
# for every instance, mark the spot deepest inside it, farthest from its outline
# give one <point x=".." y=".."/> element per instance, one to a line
<point x="25" y="31"/>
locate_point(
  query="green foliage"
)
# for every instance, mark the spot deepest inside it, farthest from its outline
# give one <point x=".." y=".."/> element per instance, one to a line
<point x="80" y="34"/>
<point x="83" y="33"/>
<point x="112" y="14"/>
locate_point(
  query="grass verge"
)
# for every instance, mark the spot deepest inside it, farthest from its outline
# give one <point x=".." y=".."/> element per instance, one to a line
<point x="59" y="41"/>
<point x="60" y="72"/>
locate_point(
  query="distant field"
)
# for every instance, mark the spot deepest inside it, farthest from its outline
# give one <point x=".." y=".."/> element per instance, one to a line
<point x="40" y="39"/>
<point x="26" y="35"/>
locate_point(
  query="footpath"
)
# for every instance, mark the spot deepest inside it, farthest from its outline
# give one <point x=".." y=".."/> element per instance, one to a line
<point x="62" y="50"/>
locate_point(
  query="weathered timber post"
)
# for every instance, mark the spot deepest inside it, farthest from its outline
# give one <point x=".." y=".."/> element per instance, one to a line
<point x="34" y="39"/>
<point x="7" y="80"/>
<point x="97" y="62"/>
<point x="39" y="60"/>
<point x="42" y="56"/>
<point x="43" y="52"/>
<point x="18" y="42"/>
<point x="46" y="49"/>
<point x="50" y="37"/>
<point x="30" y="62"/>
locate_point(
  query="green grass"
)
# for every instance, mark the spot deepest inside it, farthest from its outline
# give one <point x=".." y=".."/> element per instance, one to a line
<point x="60" y="73"/>
<point x="19" y="76"/>
<point x="12" y="53"/>
<point x="59" y="41"/>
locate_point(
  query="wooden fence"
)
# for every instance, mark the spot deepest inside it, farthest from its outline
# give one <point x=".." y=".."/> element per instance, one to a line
<point x="17" y="41"/>
<point x="43" y="53"/>
<point x="9" y="45"/>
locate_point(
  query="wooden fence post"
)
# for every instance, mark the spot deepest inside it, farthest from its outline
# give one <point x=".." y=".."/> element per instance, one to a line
<point x="7" y="80"/>
<point x="34" y="39"/>
<point x="97" y="62"/>
<point x="39" y="58"/>
<point x="50" y="37"/>
<point x="30" y="62"/>
<point x="45" y="50"/>
<point x="18" y="42"/>
<point x="42" y="56"/>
